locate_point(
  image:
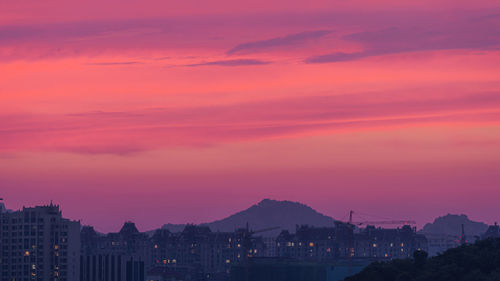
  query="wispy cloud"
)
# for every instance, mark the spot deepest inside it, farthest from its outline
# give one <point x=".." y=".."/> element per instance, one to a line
<point x="237" y="62"/>
<point x="134" y="131"/>
<point x="115" y="63"/>
<point x="292" y="39"/>
<point x="479" y="34"/>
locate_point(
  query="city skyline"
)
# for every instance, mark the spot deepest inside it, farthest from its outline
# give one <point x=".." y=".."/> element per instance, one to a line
<point x="167" y="112"/>
<point x="40" y="243"/>
<point x="309" y="216"/>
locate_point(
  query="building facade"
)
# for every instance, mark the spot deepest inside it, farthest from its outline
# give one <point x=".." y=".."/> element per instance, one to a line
<point x="210" y="255"/>
<point x="343" y="241"/>
<point x="121" y="256"/>
<point x="39" y="244"/>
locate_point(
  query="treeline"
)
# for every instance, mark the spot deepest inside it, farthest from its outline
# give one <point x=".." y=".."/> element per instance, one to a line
<point x="476" y="262"/>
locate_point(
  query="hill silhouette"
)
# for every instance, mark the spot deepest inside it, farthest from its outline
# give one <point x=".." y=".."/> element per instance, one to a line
<point x="267" y="213"/>
<point x="452" y="225"/>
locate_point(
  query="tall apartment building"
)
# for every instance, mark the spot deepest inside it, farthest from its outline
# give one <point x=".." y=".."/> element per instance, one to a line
<point x="39" y="244"/>
<point x="121" y="256"/>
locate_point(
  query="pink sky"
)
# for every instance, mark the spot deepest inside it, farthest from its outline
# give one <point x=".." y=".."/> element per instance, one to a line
<point x="187" y="111"/>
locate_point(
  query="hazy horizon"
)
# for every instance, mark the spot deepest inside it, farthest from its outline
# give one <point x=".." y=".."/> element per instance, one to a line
<point x="343" y="217"/>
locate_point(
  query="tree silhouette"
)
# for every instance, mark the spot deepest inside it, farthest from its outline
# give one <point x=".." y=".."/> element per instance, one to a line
<point x="476" y="262"/>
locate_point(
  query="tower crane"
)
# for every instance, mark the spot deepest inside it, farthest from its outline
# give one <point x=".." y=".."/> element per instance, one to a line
<point x="247" y="244"/>
<point x="384" y="222"/>
<point x="352" y="225"/>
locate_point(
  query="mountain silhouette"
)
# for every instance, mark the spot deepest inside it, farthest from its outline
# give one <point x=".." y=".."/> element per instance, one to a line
<point x="265" y="214"/>
<point x="452" y="225"/>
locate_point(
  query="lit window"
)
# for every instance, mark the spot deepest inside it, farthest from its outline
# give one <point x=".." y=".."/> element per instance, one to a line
<point x="311" y="244"/>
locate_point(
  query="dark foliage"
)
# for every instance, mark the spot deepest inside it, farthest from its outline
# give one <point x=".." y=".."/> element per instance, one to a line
<point x="476" y="262"/>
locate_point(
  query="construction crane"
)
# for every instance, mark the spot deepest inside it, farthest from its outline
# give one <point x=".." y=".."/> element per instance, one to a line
<point x="463" y="239"/>
<point x="385" y="222"/>
<point x="403" y="222"/>
<point x="352" y="225"/>
<point x="247" y="244"/>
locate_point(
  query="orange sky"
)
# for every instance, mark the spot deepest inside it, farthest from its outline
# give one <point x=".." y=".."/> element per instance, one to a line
<point x="161" y="111"/>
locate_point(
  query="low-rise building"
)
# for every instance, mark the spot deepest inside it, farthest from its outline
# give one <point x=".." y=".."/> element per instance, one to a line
<point x="341" y="241"/>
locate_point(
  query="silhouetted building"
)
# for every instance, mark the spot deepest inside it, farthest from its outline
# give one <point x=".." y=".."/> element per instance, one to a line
<point x="328" y="243"/>
<point x="39" y="244"/>
<point x="308" y="243"/>
<point x="111" y="267"/>
<point x="210" y="254"/>
<point x="271" y="249"/>
<point x="493" y="231"/>
<point x="439" y="243"/>
<point x="388" y="243"/>
<point x="122" y="256"/>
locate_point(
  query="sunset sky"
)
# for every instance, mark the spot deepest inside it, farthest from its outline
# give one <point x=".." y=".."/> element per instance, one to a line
<point x="174" y="111"/>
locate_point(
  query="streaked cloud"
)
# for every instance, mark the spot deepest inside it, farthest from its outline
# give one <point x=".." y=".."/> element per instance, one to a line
<point x="236" y="62"/>
<point x="289" y="40"/>
<point x="479" y="33"/>
<point x="115" y="63"/>
<point x="134" y="131"/>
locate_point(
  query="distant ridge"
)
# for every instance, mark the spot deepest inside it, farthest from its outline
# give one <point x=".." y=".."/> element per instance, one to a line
<point x="267" y="213"/>
<point x="452" y="225"/>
